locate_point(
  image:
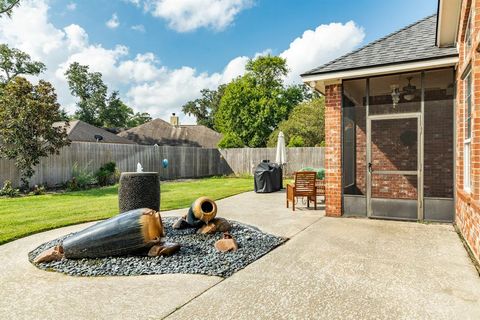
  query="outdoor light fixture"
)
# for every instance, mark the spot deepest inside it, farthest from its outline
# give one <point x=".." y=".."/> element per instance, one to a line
<point x="409" y="90"/>
<point x="395" y="94"/>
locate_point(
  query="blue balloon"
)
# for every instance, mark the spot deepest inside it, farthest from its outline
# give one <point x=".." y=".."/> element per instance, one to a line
<point x="165" y="163"/>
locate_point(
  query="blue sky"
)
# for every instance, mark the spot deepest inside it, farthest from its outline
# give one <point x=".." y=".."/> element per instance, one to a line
<point x="267" y="24"/>
<point x="180" y="46"/>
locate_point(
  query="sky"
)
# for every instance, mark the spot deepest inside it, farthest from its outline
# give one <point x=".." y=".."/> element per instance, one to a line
<point x="159" y="54"/>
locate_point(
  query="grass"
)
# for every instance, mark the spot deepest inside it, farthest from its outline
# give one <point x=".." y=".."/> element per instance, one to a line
<point x="23" y="216"/>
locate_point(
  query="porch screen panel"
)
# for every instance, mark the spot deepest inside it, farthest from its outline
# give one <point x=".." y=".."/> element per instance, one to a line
<point x="354" y="137"/>
<point x="439" y="135"/>
<point x="393" y="94"/>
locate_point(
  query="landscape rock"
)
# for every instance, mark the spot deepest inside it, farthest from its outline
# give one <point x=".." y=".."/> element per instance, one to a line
<point x="181" y="223"/>
<point x="228" y="243"/>
<point x="163" y="249"/>
<point x="222" y="225"/>
<point x="49" y="255"/>
<point x="207" y="229"/>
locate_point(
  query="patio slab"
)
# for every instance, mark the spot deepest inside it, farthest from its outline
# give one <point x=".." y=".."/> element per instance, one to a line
<point x="351" y="269"/>
<point x="30" y="293"/>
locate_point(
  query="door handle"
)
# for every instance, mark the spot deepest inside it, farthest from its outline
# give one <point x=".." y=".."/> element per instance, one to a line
<point x="370" y="167"/>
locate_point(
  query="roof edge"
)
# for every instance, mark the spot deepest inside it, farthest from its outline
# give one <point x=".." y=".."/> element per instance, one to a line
<point x="380" y="65"/>
<point x="312" y="71"/>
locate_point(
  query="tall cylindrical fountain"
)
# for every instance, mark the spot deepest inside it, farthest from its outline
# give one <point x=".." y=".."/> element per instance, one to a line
<point x="139" y="190"/>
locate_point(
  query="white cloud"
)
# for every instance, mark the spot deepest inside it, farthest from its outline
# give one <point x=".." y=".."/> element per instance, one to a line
<point x="72" y="6"/>
<point x="113" y="23"/>
<point x="188" y="15"/>
<point x="143" y="81"/>
<point x="139" y="28"/>
<point x="321" y="45"/>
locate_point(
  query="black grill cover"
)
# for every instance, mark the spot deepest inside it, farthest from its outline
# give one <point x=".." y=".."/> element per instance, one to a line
<point x="268" y="178"/>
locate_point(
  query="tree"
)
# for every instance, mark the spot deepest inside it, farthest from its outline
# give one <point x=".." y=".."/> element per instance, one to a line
<point x="138" y="119"/>
<point x="91" y="91"/>
<point x="14" y="62"/>
<point x="116" y="113"/>
<point x="204" y="108"/>
<point x="305" y="126"/>
<point x="230" y="140"/>
<point x="6" y="6"/>
<point x="253" y="105"/>
<point x="27" y="113"/>
<point x="94" y="105"/>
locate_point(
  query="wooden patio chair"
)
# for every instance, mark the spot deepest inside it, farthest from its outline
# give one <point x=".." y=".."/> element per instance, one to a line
<point x="320" y="184"/>
<point x="305" y="186"/>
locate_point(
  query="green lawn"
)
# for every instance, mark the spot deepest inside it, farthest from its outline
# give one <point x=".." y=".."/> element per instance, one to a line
<point x="20" y="217"/>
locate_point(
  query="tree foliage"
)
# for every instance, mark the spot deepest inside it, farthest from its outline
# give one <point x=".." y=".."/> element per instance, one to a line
<point x="230" y="140"/>
<point x="6" y="6"/>
<point x="89" y="88"/>
<point x="94" y="105"/>
<point x="14" y="62"/>
<point x="27" y="113"/>
<point x="138" y="118"/>
<point x="204" y="108"/>
<point x="305" y="126"/>
<point x="253" y="105"/>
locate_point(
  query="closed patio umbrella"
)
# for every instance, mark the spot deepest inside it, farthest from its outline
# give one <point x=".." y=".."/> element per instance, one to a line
<point x="281" y="157"/>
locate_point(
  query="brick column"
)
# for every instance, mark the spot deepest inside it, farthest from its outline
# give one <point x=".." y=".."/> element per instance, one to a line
<point x="333" y="147"/>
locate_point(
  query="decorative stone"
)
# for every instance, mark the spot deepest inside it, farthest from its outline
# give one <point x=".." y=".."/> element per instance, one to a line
<point x="181" y="223"/>
<point x="49" y="255"/>
<point x="139" y="190"/>
<point x="222" y="225"/>
<point x="163" y="249"/>
<point x="226" y="244"/>
<point x="207" y="229"/>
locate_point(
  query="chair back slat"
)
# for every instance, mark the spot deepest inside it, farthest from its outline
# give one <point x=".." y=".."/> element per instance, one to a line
<point x="305" y="181"/>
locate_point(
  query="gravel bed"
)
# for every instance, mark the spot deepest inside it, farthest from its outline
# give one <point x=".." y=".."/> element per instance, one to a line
<point x="197" y="255"/>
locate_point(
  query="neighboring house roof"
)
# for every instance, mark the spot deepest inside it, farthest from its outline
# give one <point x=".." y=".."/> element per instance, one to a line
<point x="78" y="130"/>
<point x="161" y="132"/>
<point x="415" y="42"/>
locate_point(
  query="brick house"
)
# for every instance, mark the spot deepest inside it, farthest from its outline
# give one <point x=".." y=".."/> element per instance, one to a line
<point x="402" y="126"/>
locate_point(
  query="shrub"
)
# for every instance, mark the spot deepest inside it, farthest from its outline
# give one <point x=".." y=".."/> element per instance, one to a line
<point x="231" y="140"/>
<point x="8" y="190"/>
<point x="81" y="178"/>
<point x="38" y="190"/>
<point x="296" y="141"/>
<point x="107" y="174"/>
<point x="320" y="172"/>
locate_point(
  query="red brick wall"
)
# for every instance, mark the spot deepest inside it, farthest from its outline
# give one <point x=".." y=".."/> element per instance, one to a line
<point x="467" y="204"/>
<point x="333" y="148"/>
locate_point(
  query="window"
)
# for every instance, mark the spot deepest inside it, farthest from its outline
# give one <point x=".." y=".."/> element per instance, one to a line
<point x="468" y="36"/>
<point x="467" y="81"/>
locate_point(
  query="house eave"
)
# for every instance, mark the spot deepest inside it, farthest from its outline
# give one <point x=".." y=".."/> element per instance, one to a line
<point x="448" y="19"/>
<point x="320" y="80"/>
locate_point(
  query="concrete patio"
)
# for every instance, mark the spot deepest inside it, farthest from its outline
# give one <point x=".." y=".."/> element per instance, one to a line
<point x="331" y="268"/>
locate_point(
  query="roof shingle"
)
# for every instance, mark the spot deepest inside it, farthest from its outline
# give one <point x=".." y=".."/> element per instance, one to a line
<point x="412" y="43"/>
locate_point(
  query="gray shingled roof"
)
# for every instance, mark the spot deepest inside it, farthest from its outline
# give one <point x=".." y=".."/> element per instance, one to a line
<point x="163" y="133"/>
<point x="412" y="43"/>
<point x="81" y="131"/>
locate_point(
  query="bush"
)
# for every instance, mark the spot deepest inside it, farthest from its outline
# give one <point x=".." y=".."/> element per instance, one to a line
<point x="107" y="174"/>
<point x="82" y="178"/>
<point x="231" y="140"/>
<point x="320" y="172"/>
<point x="38" y="190"/>
<point x="8" y="190"/>
<point x="296" y="141"/>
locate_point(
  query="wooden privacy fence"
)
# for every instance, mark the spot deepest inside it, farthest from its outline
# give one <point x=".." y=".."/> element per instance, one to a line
<point x="244" y="160"/>
<point x="184" y="162"/>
